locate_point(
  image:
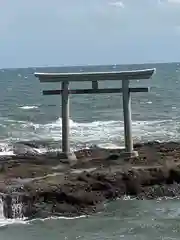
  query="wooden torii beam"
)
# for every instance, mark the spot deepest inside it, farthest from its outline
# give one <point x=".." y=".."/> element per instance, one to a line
<point x="65" y="78"/>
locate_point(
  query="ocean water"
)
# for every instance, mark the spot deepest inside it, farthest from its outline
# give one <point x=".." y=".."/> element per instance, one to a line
<point x="25" y="114"/>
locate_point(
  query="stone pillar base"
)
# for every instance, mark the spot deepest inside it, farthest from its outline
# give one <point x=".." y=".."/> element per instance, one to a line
<point x="132" y="154"/>
<point x="67" y="157"/>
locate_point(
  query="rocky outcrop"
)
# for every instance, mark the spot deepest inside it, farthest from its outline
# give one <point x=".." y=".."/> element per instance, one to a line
<point x="45" y="186"/>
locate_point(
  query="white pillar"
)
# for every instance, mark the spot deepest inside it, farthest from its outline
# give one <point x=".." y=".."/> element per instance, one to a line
<point x="127" y="116"/>
<point x="65" y="118"/>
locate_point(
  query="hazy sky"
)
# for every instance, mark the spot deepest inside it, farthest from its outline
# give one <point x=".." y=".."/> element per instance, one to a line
<point x="70" y="32"/>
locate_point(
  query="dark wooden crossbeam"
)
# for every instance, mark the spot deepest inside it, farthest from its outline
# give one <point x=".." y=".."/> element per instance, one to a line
<point x="94" y="91"/>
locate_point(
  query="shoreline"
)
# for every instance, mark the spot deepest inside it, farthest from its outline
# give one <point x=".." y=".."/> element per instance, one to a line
<point x="44" y="186"/>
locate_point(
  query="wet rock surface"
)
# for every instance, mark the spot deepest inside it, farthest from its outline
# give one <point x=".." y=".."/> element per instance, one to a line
<point x="44" y="185"/>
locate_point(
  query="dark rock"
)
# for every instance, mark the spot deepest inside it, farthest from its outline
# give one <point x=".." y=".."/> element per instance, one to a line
<point x="113" y="157"/>
<point x="174" y="176"/>
<point x="46" y="189"/>
<point x="138" y="145"/>
<point x="65" y="209"/>
<point x="132" y="183"/>
<point x="7" y="206"/>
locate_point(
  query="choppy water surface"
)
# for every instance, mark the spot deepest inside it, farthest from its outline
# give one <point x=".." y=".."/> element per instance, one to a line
<point x="95" y="119"/>
<point x="131" y="219"/>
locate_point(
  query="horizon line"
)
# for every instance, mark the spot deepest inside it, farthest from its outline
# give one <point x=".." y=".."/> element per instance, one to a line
<point x="89" y="65"/>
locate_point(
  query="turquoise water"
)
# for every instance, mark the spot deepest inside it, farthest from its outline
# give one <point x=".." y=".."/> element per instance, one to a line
<point x="95" y="119"/>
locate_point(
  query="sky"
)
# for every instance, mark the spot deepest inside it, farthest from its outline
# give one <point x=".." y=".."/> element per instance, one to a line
<point x="80" y="32"/>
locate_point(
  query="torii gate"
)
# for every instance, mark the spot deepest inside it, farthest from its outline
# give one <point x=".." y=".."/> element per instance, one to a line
<point x="65" y="78"/>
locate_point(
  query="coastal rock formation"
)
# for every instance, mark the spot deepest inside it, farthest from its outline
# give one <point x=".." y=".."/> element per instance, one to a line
<point x="43" y="185"/>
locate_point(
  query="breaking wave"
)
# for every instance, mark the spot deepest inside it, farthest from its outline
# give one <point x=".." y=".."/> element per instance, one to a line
<point x="28" y="107"/>
<point x="107" y="134"/>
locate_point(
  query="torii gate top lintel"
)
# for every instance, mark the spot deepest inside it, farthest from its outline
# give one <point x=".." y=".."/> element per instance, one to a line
<point x="95" y="76"/>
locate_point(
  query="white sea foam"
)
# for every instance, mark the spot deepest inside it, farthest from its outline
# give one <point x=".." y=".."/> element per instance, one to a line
<point x="7" y="153"/>
<point x="28" y="107"/>
<point x="108" y="134"/>
<point x="105" y="132"/>
<point x="4" y="221"/>
<point x="6" y="149"/>
<point x="57" y="218"/>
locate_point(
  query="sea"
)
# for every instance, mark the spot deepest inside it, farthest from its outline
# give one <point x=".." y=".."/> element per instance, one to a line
<point x="27" y="115"/>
